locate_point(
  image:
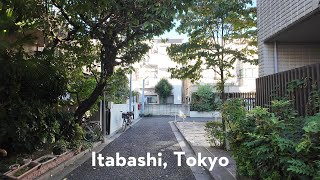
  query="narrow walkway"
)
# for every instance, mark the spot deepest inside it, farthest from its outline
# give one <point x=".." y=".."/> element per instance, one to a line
<point x="196" y="136"/>
<point x="152" y="135"/>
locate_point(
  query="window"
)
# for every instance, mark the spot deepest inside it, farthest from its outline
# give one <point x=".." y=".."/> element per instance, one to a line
<point x="153" y="99"/>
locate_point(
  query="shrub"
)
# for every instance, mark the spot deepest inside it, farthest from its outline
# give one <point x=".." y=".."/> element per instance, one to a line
<point x="216" y="134"/>
<point x="274" y="144"/>
<point x="233" y="111"/>
<point x="204" y="99"/>
<point x="59" y="147"/>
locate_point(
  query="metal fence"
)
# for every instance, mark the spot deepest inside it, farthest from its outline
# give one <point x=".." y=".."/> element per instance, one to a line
<point x="276" y="85"/>
<point x="249" y="98"/>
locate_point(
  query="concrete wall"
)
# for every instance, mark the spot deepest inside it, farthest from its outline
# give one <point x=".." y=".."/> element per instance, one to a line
<point x="116" y="118"/>
<point x="205" y="114"/>
<point x="290" y="56"/>
<point x="136" y="111"/>
<point x="168" y="109"/>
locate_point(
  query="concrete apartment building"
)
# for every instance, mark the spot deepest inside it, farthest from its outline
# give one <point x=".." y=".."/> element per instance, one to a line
<point x="153" y="68"/>
<point x="288" y="34"/>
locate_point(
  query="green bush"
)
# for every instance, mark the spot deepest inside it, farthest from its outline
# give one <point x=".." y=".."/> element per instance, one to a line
<point x="216" y="134"/>
<point x="233" y="111"/>
<point x="274" y="144"/>
<point x="60" y="147"/>
<point x="204" y="99"/>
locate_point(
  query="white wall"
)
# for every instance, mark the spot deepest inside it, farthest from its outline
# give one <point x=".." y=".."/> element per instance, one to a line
<point x="212" y="114"/>
<point x="135" y="110"/>
<point x="116" y="115"/>
<point x="177" y="90"/>
<point x="155" y="66"/>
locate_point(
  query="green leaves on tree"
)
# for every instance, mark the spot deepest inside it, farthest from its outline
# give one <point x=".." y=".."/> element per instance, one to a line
<point x="215" y="29"/>
<point x="163" y="88"/>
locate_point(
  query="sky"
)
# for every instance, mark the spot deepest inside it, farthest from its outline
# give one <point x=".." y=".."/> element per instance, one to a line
<point x="175" y="35"/>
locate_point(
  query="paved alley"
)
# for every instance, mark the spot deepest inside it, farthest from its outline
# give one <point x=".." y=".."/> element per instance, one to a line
<point x="152" y="135"/>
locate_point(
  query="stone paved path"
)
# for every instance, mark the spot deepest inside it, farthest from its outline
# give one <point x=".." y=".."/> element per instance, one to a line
<point x="148" y="135"/>
<point x="196" y="135"/>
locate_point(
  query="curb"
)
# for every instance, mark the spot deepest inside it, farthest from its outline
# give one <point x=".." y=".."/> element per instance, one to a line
<point x="199" y="172"/>
<point x="206" y="169"/>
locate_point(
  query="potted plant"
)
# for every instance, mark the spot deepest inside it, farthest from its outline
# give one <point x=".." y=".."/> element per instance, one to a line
<point x="27" y="171"/>
<point x="47" y="162"/>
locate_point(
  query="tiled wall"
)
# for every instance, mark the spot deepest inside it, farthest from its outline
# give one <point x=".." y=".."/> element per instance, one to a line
<point x="293" y="56"/>
<point x="273" y="16"/>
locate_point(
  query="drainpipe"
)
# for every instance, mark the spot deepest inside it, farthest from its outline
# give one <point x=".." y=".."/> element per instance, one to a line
<point x="275" y="51"/>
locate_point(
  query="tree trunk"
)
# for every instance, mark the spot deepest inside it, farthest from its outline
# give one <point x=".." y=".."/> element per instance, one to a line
<point x="89" y="102"/>
<point x="107" y="57"/>
<point x="223" y="98"/>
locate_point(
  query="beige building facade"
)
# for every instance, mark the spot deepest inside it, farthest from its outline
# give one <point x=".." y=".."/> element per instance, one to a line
<point x="288" y="34"/>
<point x="243" y="80"/>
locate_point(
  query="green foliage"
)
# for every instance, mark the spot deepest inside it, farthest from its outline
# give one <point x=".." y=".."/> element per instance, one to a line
<point x="216" y="133"/>
<point x="212" y="27"/>
<point x="273" y="145"/>
<point x="60" y="147"/>
<point x="117" y="90"/>
<point x="30" y="90"/>
<point x="120" y="29"/>
<point x="34" y="110"/>
<point x="204" y="99"/>
<point x="163" y="88"/>
<point x="233" y="112"/>
<point x="313" y="104"/>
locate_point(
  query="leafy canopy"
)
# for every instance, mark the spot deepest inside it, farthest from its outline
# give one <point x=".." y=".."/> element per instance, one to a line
<point x="214" y="27"/>
<point x="163" y="88"/>
<point x="120" y="29"/>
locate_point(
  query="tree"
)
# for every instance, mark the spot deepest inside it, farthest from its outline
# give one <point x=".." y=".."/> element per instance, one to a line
<point x="212" y="27"/>
<point x="121" y="29"/>
<point x="163" y="89"/>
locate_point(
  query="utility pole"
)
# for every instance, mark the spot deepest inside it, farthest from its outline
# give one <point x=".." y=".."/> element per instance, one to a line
<point x="142" y="108"/>
<point x="130" y="96"/>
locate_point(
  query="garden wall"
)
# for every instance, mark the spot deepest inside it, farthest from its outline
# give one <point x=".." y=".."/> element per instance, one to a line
<point x="205" y="114"/>
<point x="167" y="109"/>
<point x="116" y="115"/>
